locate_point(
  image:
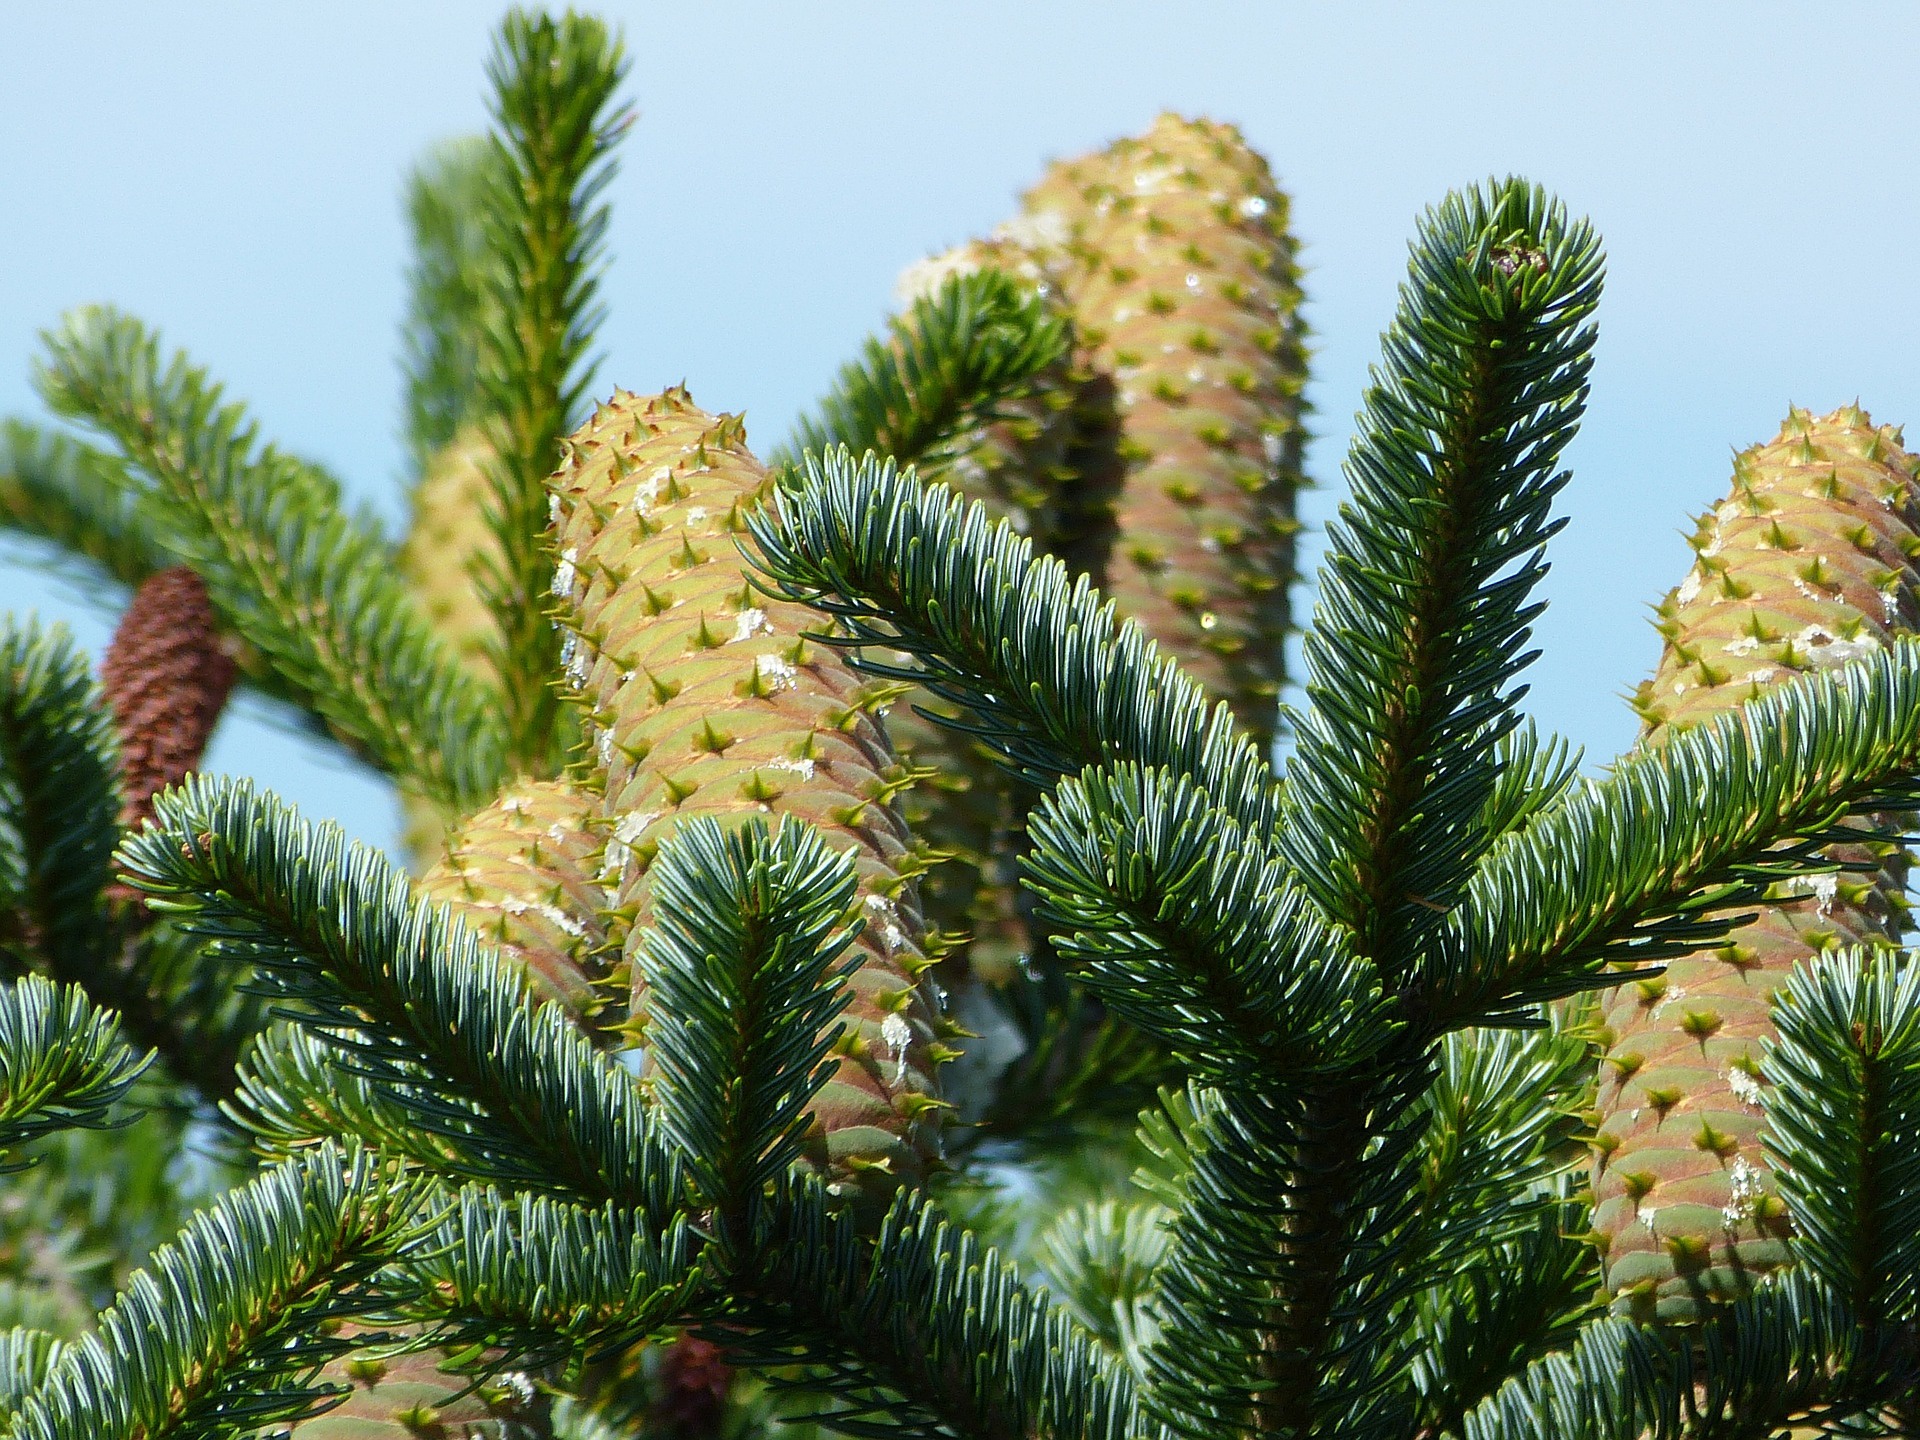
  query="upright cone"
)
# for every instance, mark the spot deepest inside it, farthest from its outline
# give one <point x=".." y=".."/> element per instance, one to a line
<point x="1808" y="563"/>
<point x="705" y="700"/>
<point x="1173" y="255"/>
<point x="449" y="544"/>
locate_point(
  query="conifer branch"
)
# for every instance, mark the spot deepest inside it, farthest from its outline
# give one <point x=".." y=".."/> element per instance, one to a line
<point x="745" y="966"/>
<point x="545" y="226"/>
<point x="79" y="499"/>
<point x="410" y="997"/>
<point x="221" y="1335"/>
<point x="1791" y="1354"/>
<point x="945" y="369"/>
<point x="1196" y="932"/>
<point x="448" y="291"/>
<point x="62" y="1063"/>
<point x="60" y="805"/>
<point x="307" y="587"/>
<point x="1842" y="1110"/>
<point x="917" y="1325"/>
<point x="1474" y="1332"/>
<point x="1653" y="860"/>
<point x="542" y="1283"/>
<point x="1282" y="1257"/>
<point x="1423" y="601"/>
<point x="26" y="1358"/>
<point x="60" y="797"/>
<point x="1054" y="680"/>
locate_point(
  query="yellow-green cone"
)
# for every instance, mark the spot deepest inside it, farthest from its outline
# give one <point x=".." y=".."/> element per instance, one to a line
<point x="524" y="874"/>
<point x="1807" y="564"/>
<point x="1174" y="258"/>
<point x="448" y="543"/>
<point x="704" y="700"/>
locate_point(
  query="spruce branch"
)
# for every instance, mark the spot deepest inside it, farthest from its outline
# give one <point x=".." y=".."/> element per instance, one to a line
<point x="1104" y="1261"/>
<point x="745" y="969"/>
<point x="945" y="370"/>
<point x="296" y="1088"/>
<point x="545" y="234"/>
<point x="62" y="1063"/>
<point x="1195" y="931"/>
<point x="1499" y="1134"/>
<point x="1654" y="860"/>
<point x="308" y="588"/>
<point x="448" y="291"/>
<point x="221" y="1335"/>
<point x="407" y="994"/>
<point x="1423" y="607"/>
<point x="81" y="500"/>
<point x="1843" y="1105"/>
<point x="1053" y="679"/>
<point x="916" y="1326"/>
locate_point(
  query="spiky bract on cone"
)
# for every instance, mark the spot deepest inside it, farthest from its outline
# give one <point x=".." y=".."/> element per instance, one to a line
<point x="409" y="1397"/>
<point x="524" y="874"/>
<point x="166" y="678"/>
<point x="705" y="700"/>
<point x="448" y="545"/>
<point x="1808" y="563"/>
<point x="1173" y="254"/>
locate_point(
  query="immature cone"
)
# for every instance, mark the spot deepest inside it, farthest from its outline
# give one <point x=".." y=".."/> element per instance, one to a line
<point x="448" y="545"/>
<point x="1806" y="565"/>
<point x="706" y="701"/>
<point x="524" y="875"/>
<point x="167" y="680"/>
<point x="1173" y="255"/>
<point x="447" y="548"/>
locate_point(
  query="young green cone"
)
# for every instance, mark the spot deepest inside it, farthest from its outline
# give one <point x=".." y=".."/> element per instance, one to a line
<point x="1807" y="564"/>
<point x="447" y="548"/>
<point x="524" y="874"/>
<point x="705" y="700"/>
<point x="1173" y="255"/>
<point x="448" y="544"/>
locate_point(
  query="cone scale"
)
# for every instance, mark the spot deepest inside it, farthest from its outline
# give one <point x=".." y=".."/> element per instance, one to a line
<point x="1807" y="564"/>
<point x="704" y="699"/>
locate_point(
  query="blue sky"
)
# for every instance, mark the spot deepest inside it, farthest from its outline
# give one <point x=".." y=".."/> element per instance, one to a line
<point x="232" y="173"/>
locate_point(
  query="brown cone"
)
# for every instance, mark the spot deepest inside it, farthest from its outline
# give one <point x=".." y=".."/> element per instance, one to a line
<point x="167" y="679"/>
